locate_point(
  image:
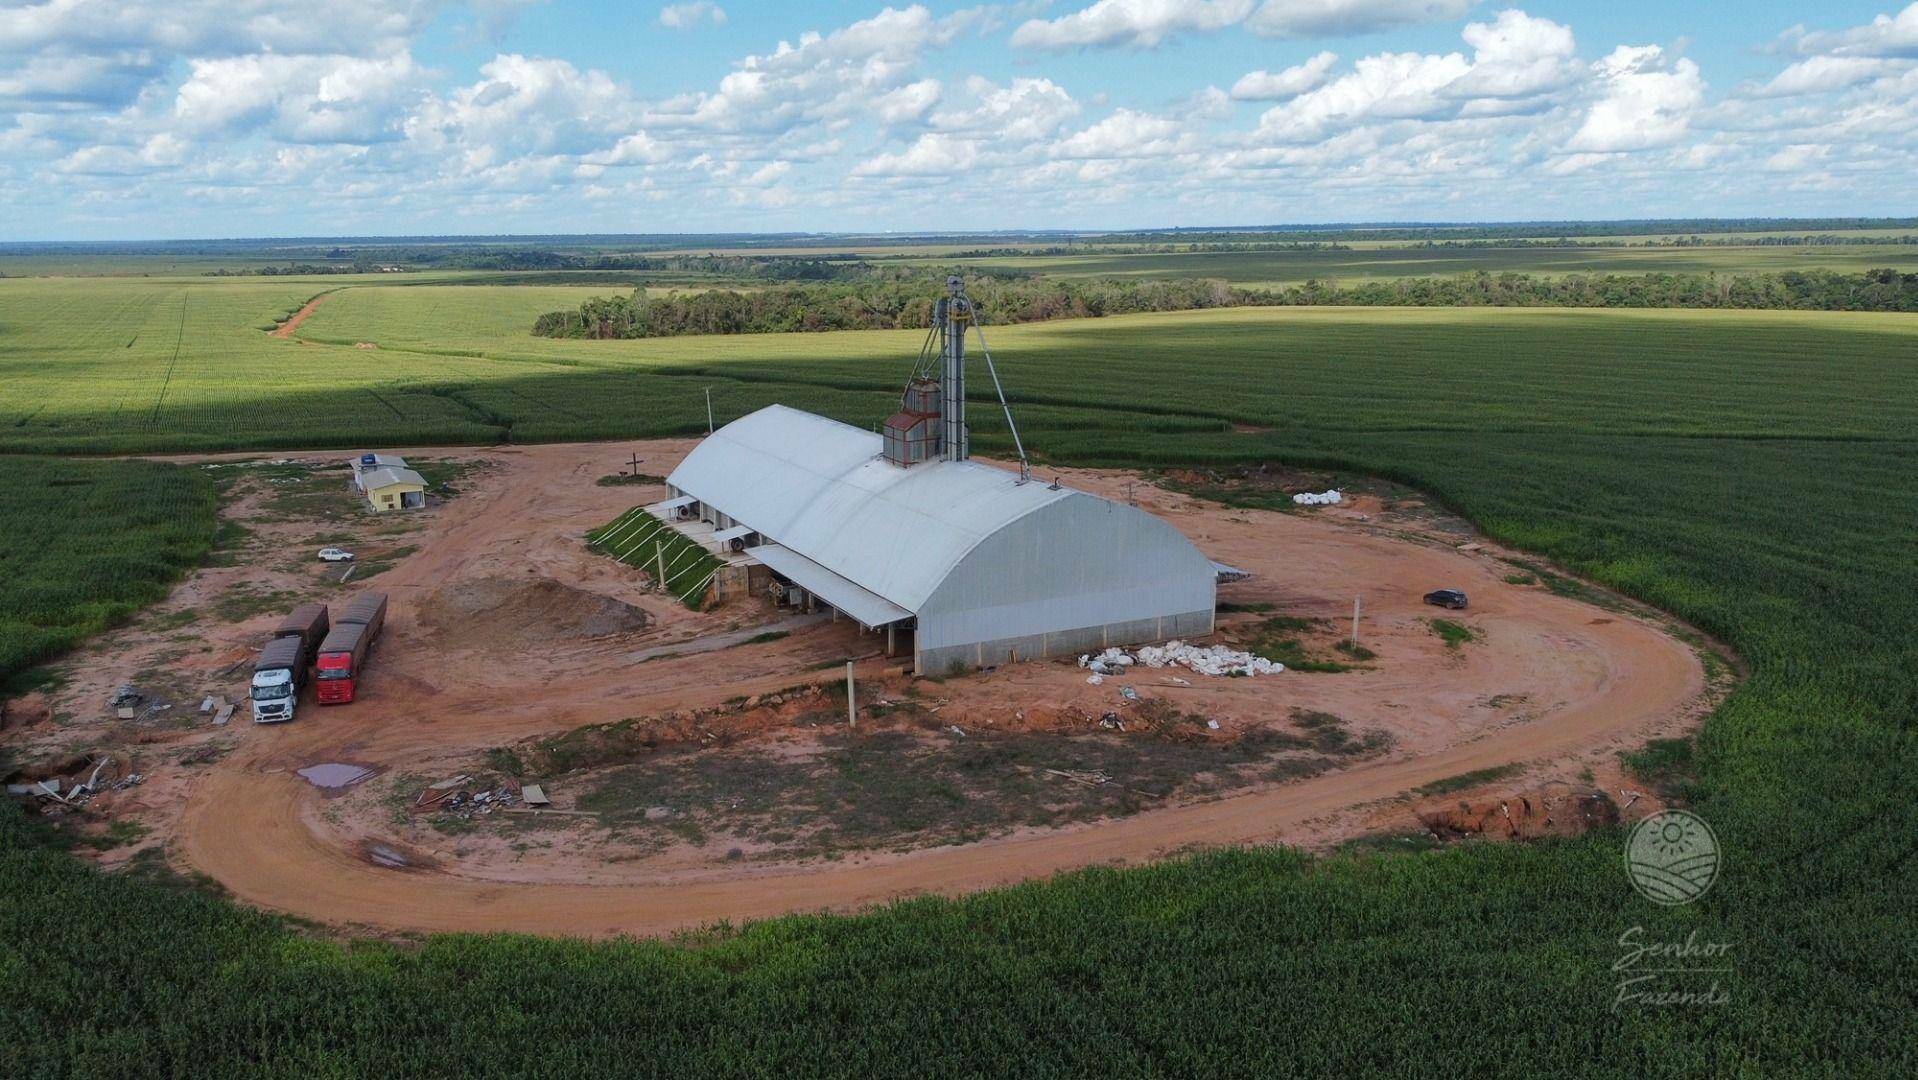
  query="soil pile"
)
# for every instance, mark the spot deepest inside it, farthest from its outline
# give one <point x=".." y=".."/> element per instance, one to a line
<point x="1526" y="816"/>
<point x="500" y="613"/>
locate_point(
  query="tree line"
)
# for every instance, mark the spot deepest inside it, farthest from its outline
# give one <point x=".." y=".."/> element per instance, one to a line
<point x="898" y="302"/>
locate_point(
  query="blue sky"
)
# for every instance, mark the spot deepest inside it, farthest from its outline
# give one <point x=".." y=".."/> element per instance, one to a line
<point x="176" y="118"/>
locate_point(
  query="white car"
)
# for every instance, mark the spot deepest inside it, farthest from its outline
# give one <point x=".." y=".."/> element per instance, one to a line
<point x="335" y="555"/>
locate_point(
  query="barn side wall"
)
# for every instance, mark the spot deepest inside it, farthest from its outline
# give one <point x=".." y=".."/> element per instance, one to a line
<point x="1074" y="576"/>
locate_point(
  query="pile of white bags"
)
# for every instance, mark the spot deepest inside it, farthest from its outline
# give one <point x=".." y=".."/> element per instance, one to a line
<point x="1323" y="498"/>
<point x="1211" y="660"/>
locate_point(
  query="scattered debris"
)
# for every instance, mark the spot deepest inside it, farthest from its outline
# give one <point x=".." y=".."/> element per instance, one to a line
<point x="535" y="795"/>
<point x="224" y="714"/>
<point x="1128" y="693"/>
<point x="1095" y="678"/>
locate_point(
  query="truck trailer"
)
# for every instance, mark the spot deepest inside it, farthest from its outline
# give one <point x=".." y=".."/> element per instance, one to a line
<point x="344" y="652"/>
<point x="280" y="672"/>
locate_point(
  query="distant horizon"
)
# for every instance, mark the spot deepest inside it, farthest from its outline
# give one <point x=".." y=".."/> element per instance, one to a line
<point x="1677" y="224"/>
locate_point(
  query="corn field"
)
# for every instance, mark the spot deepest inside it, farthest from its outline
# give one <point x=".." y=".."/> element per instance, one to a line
<point x="1756" y="474"/>
<point x="84" y="544"/>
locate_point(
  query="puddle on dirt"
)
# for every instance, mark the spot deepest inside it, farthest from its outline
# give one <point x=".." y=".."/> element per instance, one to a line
<point x="334" y="775"/>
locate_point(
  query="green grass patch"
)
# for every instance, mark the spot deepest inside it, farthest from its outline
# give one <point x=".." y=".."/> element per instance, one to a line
<point x="1467" y="780"/>
<point x="1453" y="633"/>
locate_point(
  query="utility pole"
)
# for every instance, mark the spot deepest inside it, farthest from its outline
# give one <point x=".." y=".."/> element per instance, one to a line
<point x="709" y="410"/>
<point x="852" y="711"/>
<point x="1355" y="622"/>
<point x="635" y="463"/>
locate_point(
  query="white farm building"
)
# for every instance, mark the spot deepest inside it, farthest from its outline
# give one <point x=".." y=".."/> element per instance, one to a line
<point x="903" y="531"/>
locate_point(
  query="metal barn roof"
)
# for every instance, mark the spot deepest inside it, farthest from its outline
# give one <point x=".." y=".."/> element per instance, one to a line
<point x="819" y="488"/>
<point x="387" y="476"/>
<point x="848" y="596"/>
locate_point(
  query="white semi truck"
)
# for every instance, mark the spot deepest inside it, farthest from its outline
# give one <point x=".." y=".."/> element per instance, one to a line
<point x="280" y="673"/>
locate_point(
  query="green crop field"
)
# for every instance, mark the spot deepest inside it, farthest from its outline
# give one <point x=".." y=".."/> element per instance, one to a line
<point x="1271" y="268"/>
<point x="83" y="544"/>
<point x="1756" y="473"/>
<point x="106" y="366"/>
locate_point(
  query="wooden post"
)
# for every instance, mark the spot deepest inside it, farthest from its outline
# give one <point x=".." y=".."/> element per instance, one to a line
<point x="635" y="463"/>
<point x="659" y="553"/>
<point x="1355" y="622"/>
<point x="709" y="410"/>
<point x="852" y="712"/>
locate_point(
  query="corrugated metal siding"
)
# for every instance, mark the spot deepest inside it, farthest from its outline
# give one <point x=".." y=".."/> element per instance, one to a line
<point x="1082" y="562"/>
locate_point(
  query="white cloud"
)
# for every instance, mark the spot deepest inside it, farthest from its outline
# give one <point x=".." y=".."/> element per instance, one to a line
<point x="523" y="107"/>
<point x="259" y="115"/>
<point x="934" y="154"/>
<point x="1347" y="18"/>
<point x="1138" y="24"/>
<point x="1885" y="36"/>
<point x="1517" y="62"/>
<point x="1025" y="110"/>
<point x="1822" y="74"/>
<point x="1265" y="86"/>
<point x="306" y="98"/>
<point x="824" y="77"/>
<point x="689" y="16"/>
<point x="1124" y="134"/>
<point x="908" y="103"/>
<point x="1644" y="102"/>
<point x="214" y="27"/>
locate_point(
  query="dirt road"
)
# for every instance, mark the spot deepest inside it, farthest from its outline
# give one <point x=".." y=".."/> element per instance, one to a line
<point x="286" y="329"/>
<point x="1596" y="680"/>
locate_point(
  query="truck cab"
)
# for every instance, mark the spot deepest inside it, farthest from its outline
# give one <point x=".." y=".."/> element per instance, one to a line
<point x="273" y="694"/>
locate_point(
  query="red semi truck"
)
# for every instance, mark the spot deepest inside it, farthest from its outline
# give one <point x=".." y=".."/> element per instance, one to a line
<point x="343" y="653"/>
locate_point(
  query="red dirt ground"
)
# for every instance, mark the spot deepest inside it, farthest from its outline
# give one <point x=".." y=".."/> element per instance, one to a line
<point x="1553" y="685"/>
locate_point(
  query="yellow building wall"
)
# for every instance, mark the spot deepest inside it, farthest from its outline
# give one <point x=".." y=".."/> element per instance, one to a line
<point x="391" y="497"/>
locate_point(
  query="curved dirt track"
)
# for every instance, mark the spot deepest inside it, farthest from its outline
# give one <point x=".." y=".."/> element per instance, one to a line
<point x="255" y="827"/>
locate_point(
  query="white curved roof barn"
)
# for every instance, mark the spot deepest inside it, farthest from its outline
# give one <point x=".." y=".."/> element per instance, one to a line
<point x="991" y="568"/>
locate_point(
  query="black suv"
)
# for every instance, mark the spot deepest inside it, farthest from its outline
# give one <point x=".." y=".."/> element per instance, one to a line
<point x="1447" y="598"/>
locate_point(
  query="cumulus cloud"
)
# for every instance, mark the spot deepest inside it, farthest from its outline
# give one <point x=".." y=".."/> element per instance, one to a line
<point x="1025" y="110"/>
<point x="823" y="77"/>
<point x="1822" y="74"/>
<point x="933" y="154"/>
<point x="307" y="98"/>
<point x="1885" y="36"/>
<point x="323" y="117"/>
<point x="523" y="107"/>
<point x="1268" y="86"/>
<point x="1517" y="61"/>
<point x="1138" y="24"/>
<point x="1348" y="18"/>
<point x="689" y="16"/>
<point x="1645" y="101"/>
<point x="1126" y="134"/>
